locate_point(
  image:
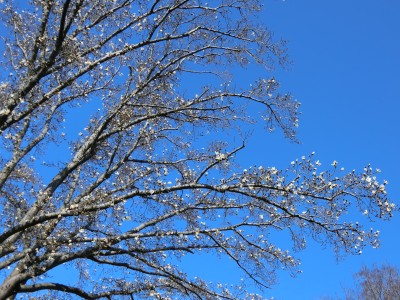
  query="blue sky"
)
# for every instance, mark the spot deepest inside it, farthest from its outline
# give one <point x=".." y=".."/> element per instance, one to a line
<point x="345" y="72"/>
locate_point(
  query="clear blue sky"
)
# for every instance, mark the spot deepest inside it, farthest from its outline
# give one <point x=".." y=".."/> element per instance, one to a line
<point x="346" y="74"/>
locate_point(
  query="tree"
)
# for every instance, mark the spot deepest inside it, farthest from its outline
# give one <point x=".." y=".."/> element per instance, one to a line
<point x="376" y="283"/>
<point x="126" y="93"/>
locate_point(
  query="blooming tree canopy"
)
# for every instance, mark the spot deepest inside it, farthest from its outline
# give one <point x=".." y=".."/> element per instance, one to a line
<point x="115" y="161"/>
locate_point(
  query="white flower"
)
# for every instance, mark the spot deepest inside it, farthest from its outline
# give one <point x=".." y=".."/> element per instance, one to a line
<point x="220" y="156"/>
<point x="335" y="163"/>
